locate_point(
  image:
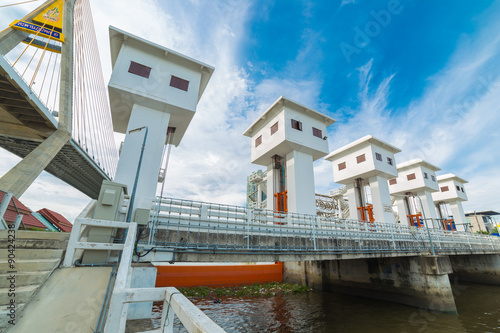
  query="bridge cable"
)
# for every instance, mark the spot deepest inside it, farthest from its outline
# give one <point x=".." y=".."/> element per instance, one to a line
<point x="19" y="3"/>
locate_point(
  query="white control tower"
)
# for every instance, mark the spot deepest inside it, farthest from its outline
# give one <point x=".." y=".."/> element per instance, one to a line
<point x="364" y="166"/>
<point x="416" y="177"/>
<point x="452" y="192"/>
<point x="287" y="138"/>
<point x="153" y="93"/>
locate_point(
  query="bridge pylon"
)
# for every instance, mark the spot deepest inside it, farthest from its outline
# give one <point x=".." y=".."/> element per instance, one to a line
<point x="51" y="86"/>
<point x="41" y="23"/>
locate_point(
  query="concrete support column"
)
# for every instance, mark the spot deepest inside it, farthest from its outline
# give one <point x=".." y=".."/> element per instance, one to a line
<point x="300" y="183"/>
<point x="353" y="199"/>
<point x="143" y="276"/>
<point x="402" y="210"/>
<point x="480" y="268"/>
<point x="416" y="281"/>
<point x="66" y="84"/>
<point x="382" y="204"/>
<point x="428" y="208"/>
<point x="20" y="177"/>
<point x="157" y="126"/>
<point x="270" y="187"/>
<point x="458" y="215"/>
<point x="9" y="39"/>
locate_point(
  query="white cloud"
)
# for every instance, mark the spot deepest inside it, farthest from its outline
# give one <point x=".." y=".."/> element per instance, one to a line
<point x="454" y="124"/>
<point x="212" y="162"/>
<point x="347" y="2"/>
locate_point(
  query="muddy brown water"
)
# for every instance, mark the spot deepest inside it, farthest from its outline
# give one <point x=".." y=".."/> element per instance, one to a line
<point x="322" y="312"/>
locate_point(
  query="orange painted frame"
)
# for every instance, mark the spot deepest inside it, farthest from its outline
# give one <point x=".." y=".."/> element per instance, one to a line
<point x="217" y="275"/>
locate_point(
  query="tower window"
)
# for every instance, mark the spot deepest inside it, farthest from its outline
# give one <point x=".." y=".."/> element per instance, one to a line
<point x="433" y="178"/>
<point x="393" y="181"/>
<point x="462" y="189"/>
<point x="389" y="161"/>
<point x="342" y="166"/>
<point x="296" y="125"/>
<point x="458" y="188"/>
<point x="258" y="141"/>
<point x="139" y="69"/>
<point x="426" y="176"/>
<point x="179" y="83"/>
<point x="317" y="133"/>
<point x="411" y="176"/>
<point x="378" y="157"/>
<point x="444" y="189"/>
<point x="274" y="128"/>
<point x="360" y="158"/>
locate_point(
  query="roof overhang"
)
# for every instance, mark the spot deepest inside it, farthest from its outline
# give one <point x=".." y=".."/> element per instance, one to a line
<point x="366" y="139"/>
<point x="417" y="162"/>
<point x="450" y="176"/>
<point x="284" y="101"/>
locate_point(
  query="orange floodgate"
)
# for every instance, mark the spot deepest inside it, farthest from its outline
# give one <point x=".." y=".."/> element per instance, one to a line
<point x="217" y="275"/>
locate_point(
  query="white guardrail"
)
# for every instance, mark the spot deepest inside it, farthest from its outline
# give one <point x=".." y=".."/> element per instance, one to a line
<point x="174" y="303"/>
<point x="194" y="225"/>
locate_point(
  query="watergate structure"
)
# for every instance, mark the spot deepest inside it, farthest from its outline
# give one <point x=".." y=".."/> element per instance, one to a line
<point x="388" y="261"/>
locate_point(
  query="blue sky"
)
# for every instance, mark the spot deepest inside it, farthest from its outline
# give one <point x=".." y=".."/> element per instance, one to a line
<point x="422" y="75"/>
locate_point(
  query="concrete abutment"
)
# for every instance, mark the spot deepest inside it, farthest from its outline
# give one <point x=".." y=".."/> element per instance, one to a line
<point x="416" y="281"/>
<point x="478" y="268"/>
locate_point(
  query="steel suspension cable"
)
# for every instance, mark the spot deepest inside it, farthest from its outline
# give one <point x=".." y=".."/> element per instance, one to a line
<point x="18" y="3"/>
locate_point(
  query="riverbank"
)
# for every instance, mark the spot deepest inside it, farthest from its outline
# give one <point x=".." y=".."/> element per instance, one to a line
<point x="254" y="290"/>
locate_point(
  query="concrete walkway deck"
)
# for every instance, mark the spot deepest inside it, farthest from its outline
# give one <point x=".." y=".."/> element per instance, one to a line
<point x="70" y="301"/>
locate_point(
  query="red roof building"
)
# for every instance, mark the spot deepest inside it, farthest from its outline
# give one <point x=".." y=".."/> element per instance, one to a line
<point x="56" y="219"/>
<point x="11" y="213"/>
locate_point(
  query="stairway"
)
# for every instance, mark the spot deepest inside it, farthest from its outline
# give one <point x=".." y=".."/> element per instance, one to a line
<point x="37" y="254"/>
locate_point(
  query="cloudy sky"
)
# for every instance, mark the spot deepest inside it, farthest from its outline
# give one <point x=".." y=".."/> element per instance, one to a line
<point x="421" y="75"/>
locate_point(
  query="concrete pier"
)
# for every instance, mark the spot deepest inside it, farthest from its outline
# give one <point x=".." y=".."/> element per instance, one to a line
<point x="416" y="281"/>
<point x="481" y="268"/>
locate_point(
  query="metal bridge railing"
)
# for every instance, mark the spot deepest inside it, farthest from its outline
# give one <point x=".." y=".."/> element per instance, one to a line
<point x="200" y="226"/>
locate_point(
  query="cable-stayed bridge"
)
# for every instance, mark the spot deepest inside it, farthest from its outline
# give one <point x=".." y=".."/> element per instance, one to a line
<point x="51" y="79"/>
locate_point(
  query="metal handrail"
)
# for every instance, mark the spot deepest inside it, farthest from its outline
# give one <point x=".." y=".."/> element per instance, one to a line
<point x="196" y="225"/>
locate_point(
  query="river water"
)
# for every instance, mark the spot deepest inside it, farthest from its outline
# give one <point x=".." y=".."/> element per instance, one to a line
<point x="321" y="312"/>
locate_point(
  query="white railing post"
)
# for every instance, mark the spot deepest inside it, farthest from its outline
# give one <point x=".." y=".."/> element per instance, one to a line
<point x="203" y="212"/>
<point x="3" y="207"/>
<point x="249" y="218"/>
<point x="167" y="318"/>
<point x="73" y="239"/>
<point x="315" y="221"/>
<point x="394" y="238"/>
<point x="117" y="314"/>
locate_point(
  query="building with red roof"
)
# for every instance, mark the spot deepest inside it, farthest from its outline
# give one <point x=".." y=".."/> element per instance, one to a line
<point x="56" y="219"/>
<point x="44" y="219"/>
<point x="11" y="213"/>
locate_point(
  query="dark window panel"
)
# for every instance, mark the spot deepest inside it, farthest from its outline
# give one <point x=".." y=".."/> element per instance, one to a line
<point x="139" y="69"/>
<point x="179" y="83"/>
<point x="274" y="128"/>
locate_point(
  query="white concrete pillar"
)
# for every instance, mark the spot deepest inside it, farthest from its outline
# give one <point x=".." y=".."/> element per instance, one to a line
<point x="458" y="215"/>
<point x="270" y="187"/>
<point x="353" y="198"/>
<point x="402" y="210"/>
<point x="300" y="183"/>
<point x="259" y="195"/>
<point x="382" y="204"/>
<point x="428" y="208"/>
<point x="143" y="276"/>
<point x="157" y="124"/>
